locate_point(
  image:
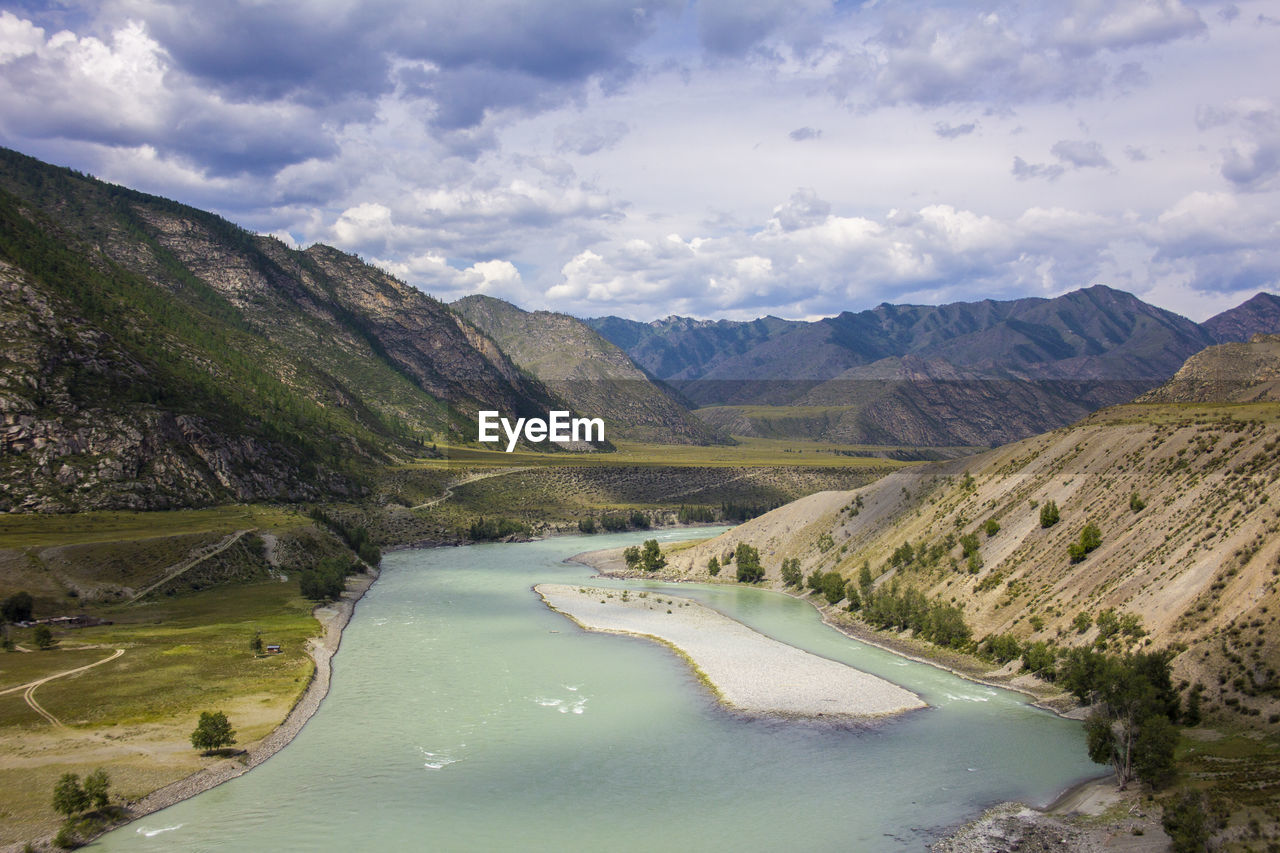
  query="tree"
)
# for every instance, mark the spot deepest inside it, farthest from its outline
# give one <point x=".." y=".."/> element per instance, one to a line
<point x="833" y="587"/>
<point x="68" y="797"/>
<point x="713" y="566"/>
<point x="632" y="556"/>
<point x="791" y="573"/>
<point x="748" y="559"/>
<point x="17" y="607"/>
<point x="97" y="787"/>
<point x="1131" y="729"/>
<point x="1049" y="514"/>
<point x="866" y="584"/>
<point x="212" y="732"/>
<point x="43" y="637"/>
<point x="255" y="645"/>
<point x="651" y="558"/>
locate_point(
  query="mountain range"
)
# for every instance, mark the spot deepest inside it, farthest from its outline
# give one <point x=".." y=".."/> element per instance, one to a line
<point x="588" y="372"/>
<point x="969" y="373"/>
<point x="156" y="355"/>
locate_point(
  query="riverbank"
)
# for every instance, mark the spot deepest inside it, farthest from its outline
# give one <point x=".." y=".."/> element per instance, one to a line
<point x="746" y="670"/>
<point x="333" y="618"/>
<point x="610" y="563"/>
<point x="1091" y="816"/>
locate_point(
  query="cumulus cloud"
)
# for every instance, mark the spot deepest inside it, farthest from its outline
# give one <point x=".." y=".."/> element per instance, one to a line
<point x="833" y="262"/>
<point x="800" y="134"/>
<point x="1094" y="25"/>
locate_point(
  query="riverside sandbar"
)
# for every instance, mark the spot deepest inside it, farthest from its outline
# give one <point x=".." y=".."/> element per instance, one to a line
<point x="747" y="670"/>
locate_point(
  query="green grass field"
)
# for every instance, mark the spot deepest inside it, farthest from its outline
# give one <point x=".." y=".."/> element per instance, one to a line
<point x="749" y="452"/>
<point x="134" y="715"/>
<point x="43" y="531"/>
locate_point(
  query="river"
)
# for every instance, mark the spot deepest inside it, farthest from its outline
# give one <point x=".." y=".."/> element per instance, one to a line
<point x="465" y="715"/>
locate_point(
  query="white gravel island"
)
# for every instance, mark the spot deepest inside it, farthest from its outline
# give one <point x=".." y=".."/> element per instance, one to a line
<point x="747" y="670"/>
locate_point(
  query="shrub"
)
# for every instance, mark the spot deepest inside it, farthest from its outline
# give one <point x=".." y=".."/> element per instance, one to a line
<point x="1049" y="515"/>
<point x="1136" y="503"/>
<point x="1187" y="822"/>
<point x="992" y="527"/>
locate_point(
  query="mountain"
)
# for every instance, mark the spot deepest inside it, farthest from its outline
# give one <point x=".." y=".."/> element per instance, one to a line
<point x="157" y="355"/>
<point x="960" y="374"/>
<point x="1182" y="495"/>
<point x="1259" y="315"/>
<point x="587" y="371"/>
<point x="1228" y="373"/>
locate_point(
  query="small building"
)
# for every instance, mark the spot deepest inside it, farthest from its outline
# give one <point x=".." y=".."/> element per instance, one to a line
<point x="273" y="648"/>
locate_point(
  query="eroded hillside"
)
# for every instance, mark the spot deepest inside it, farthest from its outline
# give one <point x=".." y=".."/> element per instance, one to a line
<point x="1187" y="501"/>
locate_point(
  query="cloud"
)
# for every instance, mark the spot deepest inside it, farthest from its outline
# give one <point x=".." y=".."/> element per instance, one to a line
<point x="1251" y="162"/>
<point x="587" y="138"/>
<point x="800" y="134"/>
<point x="1023" y="171"/>
<point x="945" y="130"/>
<point x="1095" y="25"/>
<point x="1080" y="154"/>
<point x="1071" y="154"/>
<point x="731" y="28"/>
<point x="826" y="263"/>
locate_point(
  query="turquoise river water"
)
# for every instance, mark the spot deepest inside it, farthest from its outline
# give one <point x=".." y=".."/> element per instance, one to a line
<point x="465" y="715"/>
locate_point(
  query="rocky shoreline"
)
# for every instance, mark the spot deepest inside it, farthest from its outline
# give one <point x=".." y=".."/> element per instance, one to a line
<point x="333" y="618"/>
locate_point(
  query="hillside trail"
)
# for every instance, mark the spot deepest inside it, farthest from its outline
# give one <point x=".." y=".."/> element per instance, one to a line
<point x="191" y="562"/>
<point x="448" y="490"/>
<point x="29" y="688"/>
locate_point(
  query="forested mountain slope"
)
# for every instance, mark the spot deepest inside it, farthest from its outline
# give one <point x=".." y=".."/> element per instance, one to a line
<point x="156" y="355"/>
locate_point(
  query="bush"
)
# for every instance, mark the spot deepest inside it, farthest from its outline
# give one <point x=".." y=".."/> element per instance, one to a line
<point x="1136" y="503"/>
<point x="17" y="608"/>
<point x="1186" y="820"/>
<point x="992" y="527"/>
<point x="1049" y="515"/>
<point x="1001" y="648"/>
<point x="587" y="525"/>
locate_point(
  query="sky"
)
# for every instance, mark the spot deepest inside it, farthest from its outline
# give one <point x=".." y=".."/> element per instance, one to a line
<point x="713" y="158"/>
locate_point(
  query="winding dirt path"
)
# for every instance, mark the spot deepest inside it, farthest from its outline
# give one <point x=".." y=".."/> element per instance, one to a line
<point x="29" y="688"/>
<point x="191" y="562"/>
<point x="448" y="490"/>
